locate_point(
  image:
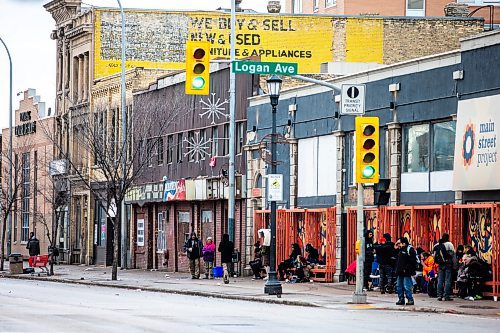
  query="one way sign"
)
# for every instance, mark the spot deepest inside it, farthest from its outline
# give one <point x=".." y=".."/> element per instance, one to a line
<point x="353" y="99"/>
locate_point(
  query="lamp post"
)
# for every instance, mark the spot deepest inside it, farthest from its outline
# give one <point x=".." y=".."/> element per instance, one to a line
<point x="9" y="216"/>
<point x="273" y="286"/>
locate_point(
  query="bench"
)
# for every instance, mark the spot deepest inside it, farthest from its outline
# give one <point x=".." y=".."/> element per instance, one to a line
<point x="318" y="274"/>
<point x="41" y="262"/>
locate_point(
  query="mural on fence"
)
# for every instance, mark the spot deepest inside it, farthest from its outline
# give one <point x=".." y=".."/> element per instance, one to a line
<point x="435" y="229"/>
<point x="322" y="235"/>
<point x="371" y="222"/>
<point x="301" y="232"/>
<point x="479" y="232"/>
<point x="405" y="224"/>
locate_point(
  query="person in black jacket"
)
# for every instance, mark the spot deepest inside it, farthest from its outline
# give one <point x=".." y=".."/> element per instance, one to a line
<point x="386" y="257"/>
<point x="405" y="269"/>
<point x="290" y="262"/>
<point x="226" y="249"/>
<point x="369" y="258"/>
<point x="193" y="248"/>
<point x="33" y="245"/>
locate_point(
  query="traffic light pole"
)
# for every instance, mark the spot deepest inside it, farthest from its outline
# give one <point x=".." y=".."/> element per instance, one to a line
<point x="232" y="124"/>
<point x="359" y="296"/>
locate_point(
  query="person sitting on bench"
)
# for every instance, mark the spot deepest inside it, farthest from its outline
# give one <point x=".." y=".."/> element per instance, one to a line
<point x="290" y="262"/>
<point x="256" y="264"/>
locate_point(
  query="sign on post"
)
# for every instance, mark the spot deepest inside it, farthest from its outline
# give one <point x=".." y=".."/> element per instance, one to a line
<point x="262" y="68"/>
<point x="353" y="99"/>
<point x="275" y="187"/>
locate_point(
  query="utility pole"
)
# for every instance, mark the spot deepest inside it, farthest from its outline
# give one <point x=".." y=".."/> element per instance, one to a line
<point x="359" y="296"/>
<point x="232" y="123"/>
<point x="123" y="214"/>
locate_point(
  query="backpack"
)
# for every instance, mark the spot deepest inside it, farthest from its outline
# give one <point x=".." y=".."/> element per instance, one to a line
<point x="441" y="255"/>
<point x="417" y="258"/>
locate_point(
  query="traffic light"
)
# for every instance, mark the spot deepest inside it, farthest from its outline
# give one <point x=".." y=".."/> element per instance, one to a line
<point x="367" y="150"/>
<point x="197" y="68"/>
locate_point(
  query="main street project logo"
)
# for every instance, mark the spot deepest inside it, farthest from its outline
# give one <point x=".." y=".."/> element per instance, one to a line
<point x="483" y="146"/>
<point x="468" y="145"/>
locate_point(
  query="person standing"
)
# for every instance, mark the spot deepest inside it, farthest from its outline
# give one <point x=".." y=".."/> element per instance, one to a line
<point x="369" y="258"/>
<point x="386" y="257"/>
<point x="208" y="257"/>
<point x="33" y="245"/>
<point x="193" y="247"/>
<point x="226" y="249"/>
<point x="405" y="269"/>
<point x="444" y="256"/>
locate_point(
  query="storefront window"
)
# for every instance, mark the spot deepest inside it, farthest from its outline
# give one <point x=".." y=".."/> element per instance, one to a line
<point x="443" y="145"/>
<point x="416" y="148"/>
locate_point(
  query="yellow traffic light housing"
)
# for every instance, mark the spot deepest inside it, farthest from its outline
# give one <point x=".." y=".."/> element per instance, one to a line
<point x="197" y="68"/>
<point x="367" y="150"/>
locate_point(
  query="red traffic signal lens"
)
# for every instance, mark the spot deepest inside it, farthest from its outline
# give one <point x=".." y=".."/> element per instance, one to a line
<point x="369" y="144"/>
<point x="368" y="130"/>
<point x="368" y="158"/>
<point x="199" y="53"/>
<point x="199" y="68"/>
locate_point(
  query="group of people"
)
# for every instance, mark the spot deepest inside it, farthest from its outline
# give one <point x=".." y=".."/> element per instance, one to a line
<point x="410" y="269"/>
<point x="195" y="250"/>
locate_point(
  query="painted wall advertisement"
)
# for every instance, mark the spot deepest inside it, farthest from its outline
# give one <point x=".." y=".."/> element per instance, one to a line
<point x="156" y="39"/>
<point x="476" y="165"/>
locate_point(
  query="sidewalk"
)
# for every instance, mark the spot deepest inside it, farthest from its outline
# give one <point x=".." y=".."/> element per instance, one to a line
<point x="328" y="295"/>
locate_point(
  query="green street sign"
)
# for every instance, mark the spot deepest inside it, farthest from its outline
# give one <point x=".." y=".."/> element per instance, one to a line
<point x="254" y="67"/>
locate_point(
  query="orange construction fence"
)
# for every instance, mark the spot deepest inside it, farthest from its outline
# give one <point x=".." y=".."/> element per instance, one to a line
<point x="474" y="224"/>
<point x="303" y="226"/>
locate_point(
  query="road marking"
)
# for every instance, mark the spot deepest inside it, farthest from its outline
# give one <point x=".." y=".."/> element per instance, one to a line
<point x="363" y="306"/>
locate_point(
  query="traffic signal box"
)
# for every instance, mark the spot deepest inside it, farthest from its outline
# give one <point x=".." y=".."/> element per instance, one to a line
<point x="197" y="68"/>
<point x="367" y="150"/>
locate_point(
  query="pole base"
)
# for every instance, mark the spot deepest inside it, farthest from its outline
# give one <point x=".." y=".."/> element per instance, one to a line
<point x="273" y="285"/>
<point x="359" y="298"/>
<point x="273" y="289"/>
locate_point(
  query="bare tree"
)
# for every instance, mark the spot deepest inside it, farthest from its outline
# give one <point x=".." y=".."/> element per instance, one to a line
<point x="52" y="193"/>
<point x="10" y="203"/>
<point x="116" y="164"/>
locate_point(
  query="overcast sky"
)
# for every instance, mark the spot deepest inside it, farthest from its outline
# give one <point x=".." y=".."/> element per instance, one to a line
<point x="25" y="27"/>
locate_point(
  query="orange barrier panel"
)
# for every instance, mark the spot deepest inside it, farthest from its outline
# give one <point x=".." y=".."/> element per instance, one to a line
<point x="478" y="225"/>
<point x="303" y="226"/>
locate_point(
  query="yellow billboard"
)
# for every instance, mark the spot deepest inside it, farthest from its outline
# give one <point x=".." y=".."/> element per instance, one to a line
<point x="157" y="39"/>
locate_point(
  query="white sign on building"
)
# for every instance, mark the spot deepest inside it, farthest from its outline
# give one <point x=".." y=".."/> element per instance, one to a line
<point x="275" y="187"/>
<point x="476" y="165"/>
<point x="353" y="99"/>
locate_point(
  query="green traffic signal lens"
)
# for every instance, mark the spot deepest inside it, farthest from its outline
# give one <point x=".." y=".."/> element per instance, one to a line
<point x="198" y="83"/>
<point x="368" y="172"/>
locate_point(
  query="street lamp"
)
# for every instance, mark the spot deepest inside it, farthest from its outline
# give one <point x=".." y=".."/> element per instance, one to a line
<point x="9" y="215"/>
<point x="273" y="286"/>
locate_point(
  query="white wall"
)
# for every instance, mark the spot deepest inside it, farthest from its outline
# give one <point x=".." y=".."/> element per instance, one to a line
<point x="317" y="166"/>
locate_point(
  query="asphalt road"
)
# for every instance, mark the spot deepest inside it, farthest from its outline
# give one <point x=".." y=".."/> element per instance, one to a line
<point x="36" y="306"/>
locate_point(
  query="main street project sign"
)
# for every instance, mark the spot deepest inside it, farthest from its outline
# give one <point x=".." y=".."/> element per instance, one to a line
<point x="157" y="39"/>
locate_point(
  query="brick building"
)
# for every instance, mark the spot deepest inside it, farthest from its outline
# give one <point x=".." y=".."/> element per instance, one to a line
<point x="183" y="190"/>
<point x="392" y="7"/>
<point x="32" y="149"/>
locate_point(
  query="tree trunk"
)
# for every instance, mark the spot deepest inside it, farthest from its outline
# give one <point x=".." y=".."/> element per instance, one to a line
<point x="52" y="263"/>
<point x="116" y="238"/>
<point x="2" y="250"/>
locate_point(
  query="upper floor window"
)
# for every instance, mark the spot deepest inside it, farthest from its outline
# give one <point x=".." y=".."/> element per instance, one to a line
<point x="329" y="3"/>
<point x="297" y="6"/>
<point x="429" y="147"/>
<point x="170" y="148"/>
<point x="415" y="7"/>
<point x="159" y="148"/>
<point x="316" y="5"/>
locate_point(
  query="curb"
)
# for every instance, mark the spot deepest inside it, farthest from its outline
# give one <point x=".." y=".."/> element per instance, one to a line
<point x="166" y="291"/>
<point x="279" y="301"/>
